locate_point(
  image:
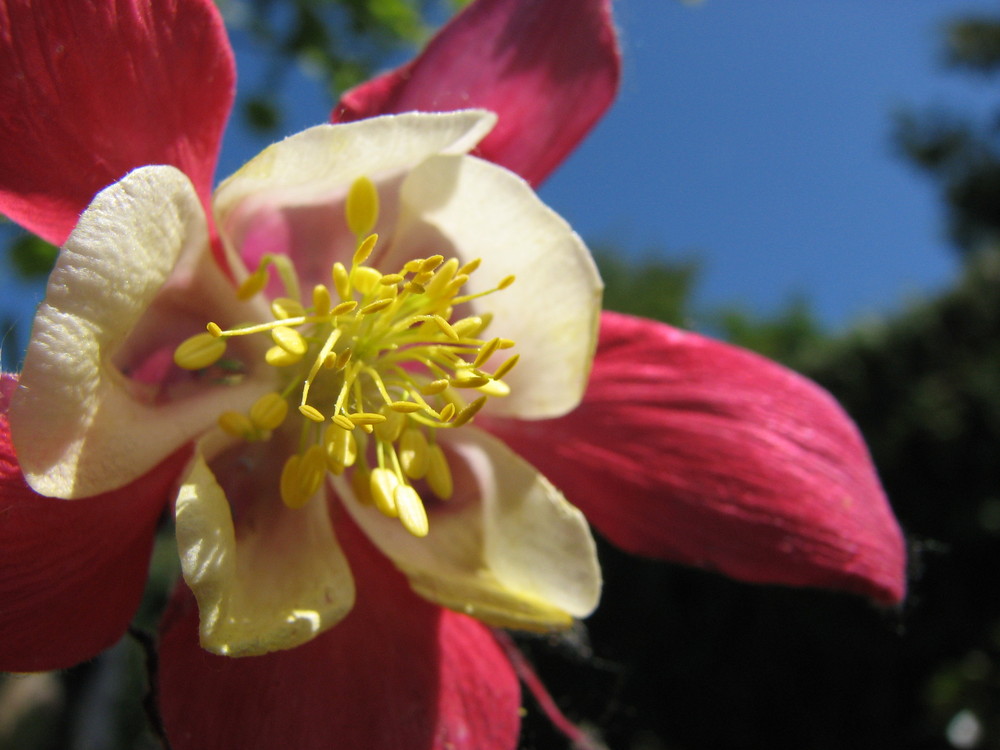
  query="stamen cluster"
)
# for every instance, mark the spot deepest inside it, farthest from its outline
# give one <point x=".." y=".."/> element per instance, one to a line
<point x="376" y="366"/>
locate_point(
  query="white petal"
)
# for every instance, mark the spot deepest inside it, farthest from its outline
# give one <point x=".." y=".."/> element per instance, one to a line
<point x="78" y="426"/>
<point x="463" y="205"/>
<point x="289" y="198"/>
<point x="277" y="580"/>
<point x="514" y="553"/>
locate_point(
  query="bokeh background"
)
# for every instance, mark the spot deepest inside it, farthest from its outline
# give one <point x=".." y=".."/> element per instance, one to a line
<point x="819" y="182"/>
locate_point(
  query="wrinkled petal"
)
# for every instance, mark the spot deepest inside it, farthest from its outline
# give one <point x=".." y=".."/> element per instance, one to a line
<point x="396" y="673"/>
<point x="692" y="450"/>
<point x="79" y="425"/>
<point x="270" y="578"/>
<point x="507" y="549"/>
<point x="71" y="574"/>
<point x="478" y="210"/>
<point x="89" y="91"/>
<point x="289" y="199"/>
<point x="548" y="68"/>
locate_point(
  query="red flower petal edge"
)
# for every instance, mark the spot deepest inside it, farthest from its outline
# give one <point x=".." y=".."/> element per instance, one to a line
<point x="90" y="91"/>
<point x="398" y="672"/>
<point x="695" y="451"/>
<point x="71" y="571"/>
<point x="548" y="68"/>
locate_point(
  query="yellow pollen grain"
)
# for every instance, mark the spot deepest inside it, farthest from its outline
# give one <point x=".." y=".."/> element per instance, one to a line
<point x="269" y="411"/>
<point x="235" y="424"/>
<point x="311" y="412"/>
<point x="410" y="508"/>
<point x="200" y="351"/>
<point x="290" y="340"/>
<point x="361" y="206"/>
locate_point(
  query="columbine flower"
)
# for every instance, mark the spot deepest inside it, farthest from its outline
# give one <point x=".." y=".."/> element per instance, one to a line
<point x="201" y="340"/>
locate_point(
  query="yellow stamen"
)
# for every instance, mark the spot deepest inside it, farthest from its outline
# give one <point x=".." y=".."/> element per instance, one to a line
<point x="311" y="412"/>
<point x="383" y="485"/>
<point x="269" y="411"/>
<point x="200" y="351"/>
<point x="413" y="453"/>
<point x="439" y="472"/>
<point x="286" y="307"/>
<point x="361" y="207"/>
<point x="411" y="511"/>
<point x="235" y="424"/>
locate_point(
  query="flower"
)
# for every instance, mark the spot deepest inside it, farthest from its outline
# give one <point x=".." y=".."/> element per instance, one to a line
<point x="765" y="477"/>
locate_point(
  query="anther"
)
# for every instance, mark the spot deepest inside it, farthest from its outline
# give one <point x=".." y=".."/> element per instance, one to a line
<point x="383" y="485"/>
<point x="486" y="351"/>
<point x="411" y="511"/>
<point x="375" y="307"/>
<point x="290" y="340"/>
<point x="269" y="411"/>
<point x="321" y="299"/>
<point x="311" y="412"/>
<point x="285" y="307"/>
<point x="361" y="206"/>
<point x="200" y="351"/>
<point x="439" y="472"/>
<point x="252" y="285"/>
<point x="214" y="329"/>
<point x="236" y="424"/>
<point x="468" y="412"/>
<point x="507" y="366"/>
<point x="342" y="421"/>
<point x="413" y="453"/>
<point x="276" y="356"/>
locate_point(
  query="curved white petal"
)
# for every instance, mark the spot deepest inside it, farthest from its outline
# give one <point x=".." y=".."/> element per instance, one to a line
<point x="466" y="206"/>
<point x="138" y="255"/>
<point x="513" y="553"/>
<point x="289" y="198"/>
<point x="274" y="579"/>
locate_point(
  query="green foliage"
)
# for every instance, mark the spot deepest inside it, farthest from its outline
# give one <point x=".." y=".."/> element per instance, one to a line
<point x="657" y="288"/>
<point x="32" y="257"/>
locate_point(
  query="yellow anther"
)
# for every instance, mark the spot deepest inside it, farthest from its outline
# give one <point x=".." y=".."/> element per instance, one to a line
<point x="252" y="285"/>
<point x="429" y="264"/>
<point x="364" y="417"/>
<point x="302" y="476"/>
<point x="365" y="279"/>
<point x="414" y="288"/>
<point x="341" y="281"/>
<point x="495" y="389"/>
<point x="447" y="412"/>
<point x="364" y="249"/>
<point x="342" y="359"/>
<point x="435" y="387"/>
<point x="200" y="351"/>
<point x="392" y="427"/>
<point x="442" y="277"/>
<point x="289" y="482"/>
<point x="344" y="307"/>
<point x="506" y="281"/>
<point x="278" y="357"/>
<point x="214" y="329"/>
<point x="467" y="328"/>
<point x="236" y="424"/>
<point x="341" y="448"/>
<point x="290" y="340"/>
<point x="375" y="307"/>
<point x="342" y="421"/>
<point x="285" y="307"/>
<point x="410" y="508"/>
<point x="486" y="351"/>
<point x="405" y="407"/>
<point x="311" y="412"/>
<point x="469" y="380"/>
<point x="361" y="206"/>
<point x="361" y="484"/>
<point x="412" y="266"/>
<point x="505" y="343"/>
<point x="445" y="326"/>
<point x="439" y="472"/>
<point x="269" y="411"/>
<point x="413" y="453"/>
<point x="468" y="412"/>
<point x="391" y="278"/>
<point x="469" y="268"/>
<point x="383" y="484"/>
<point x="321" y="299"/>
<point x="507" y="366"/>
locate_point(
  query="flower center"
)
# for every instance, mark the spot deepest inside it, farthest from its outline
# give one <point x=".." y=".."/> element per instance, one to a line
<point x="374" y="372"/>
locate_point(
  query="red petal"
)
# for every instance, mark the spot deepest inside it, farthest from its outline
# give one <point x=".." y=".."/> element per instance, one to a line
<point x="398" y="672"/>
<point x="89" y="91"/>
<point x="695" y="451"/>
<point x="71" y="571"/>
<point x="548" y="68"/>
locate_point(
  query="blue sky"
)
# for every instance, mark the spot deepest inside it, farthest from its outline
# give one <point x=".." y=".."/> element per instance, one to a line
<point x="755" y="136"/>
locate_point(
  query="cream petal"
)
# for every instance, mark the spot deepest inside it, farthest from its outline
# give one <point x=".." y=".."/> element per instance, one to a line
<point x="136" y="260"/>
<point x="463" y="205"/>
<point x="515" y="553"/>
<point x="272" y="580"/>
<point x="289" y="198"/>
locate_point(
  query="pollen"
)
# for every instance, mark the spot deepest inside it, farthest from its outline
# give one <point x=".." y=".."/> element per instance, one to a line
<point x="376" y="363"/>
